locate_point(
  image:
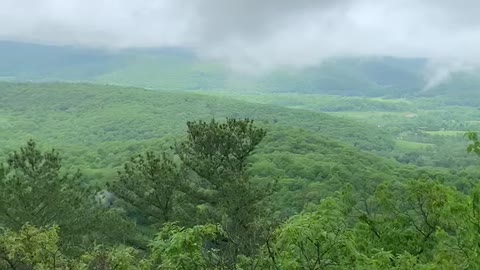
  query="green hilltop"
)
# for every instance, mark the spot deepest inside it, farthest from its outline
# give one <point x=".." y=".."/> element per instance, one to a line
<point x="87" y="116"/>
<point x="337" y="171"/>
<point x="178" y="69"/>
<point x="98" y="127"/>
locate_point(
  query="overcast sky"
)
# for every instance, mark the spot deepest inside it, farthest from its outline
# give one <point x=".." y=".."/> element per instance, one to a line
<point x="258" y="33"/>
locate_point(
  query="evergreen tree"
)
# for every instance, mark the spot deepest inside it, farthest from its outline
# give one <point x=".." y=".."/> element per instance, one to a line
<point x="34" y="189"/>
<point x="218" y="153"/>
<point x="153" y="186"/>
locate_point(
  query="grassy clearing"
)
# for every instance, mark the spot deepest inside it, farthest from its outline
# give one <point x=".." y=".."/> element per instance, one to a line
<point x="453" y="133"/>
<point x="368" y="114"/>
<point x="412" y="146"/>
<point x="391" y="100"/>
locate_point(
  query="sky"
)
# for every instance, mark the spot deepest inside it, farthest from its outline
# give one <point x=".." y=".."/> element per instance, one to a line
<point x="259" y="34"/>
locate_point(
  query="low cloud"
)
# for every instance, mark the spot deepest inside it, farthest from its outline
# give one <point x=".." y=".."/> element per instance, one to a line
<point x="258" y="35"/>
<point x="438" y="73"/>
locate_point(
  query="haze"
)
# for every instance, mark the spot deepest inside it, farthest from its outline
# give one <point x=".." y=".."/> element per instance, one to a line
<point x="258" y="35"/>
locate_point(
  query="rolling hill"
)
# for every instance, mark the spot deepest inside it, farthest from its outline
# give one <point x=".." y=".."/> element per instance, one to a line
<point x="99" y="127"/>
<point x="86" y="120"/>
<point x="177" y="69"/>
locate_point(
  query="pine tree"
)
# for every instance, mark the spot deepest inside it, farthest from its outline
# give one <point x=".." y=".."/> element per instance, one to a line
<point x="152" y="185"/>
<point x="218" y="153"/>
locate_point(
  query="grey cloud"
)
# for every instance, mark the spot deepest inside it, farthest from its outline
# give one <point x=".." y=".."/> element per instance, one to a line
<point x="437" y="73"/>
<point x="258" y="35"/>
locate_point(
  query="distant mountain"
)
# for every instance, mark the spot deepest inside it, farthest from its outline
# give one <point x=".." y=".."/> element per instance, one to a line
<point x="177" y="69"/>
<point x="36" y="62"/>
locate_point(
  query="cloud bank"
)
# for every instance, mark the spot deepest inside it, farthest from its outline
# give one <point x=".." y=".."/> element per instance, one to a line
<point x="264" y="34"/>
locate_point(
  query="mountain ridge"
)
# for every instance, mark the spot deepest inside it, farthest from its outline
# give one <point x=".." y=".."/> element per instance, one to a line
<point x="178" y="69"/>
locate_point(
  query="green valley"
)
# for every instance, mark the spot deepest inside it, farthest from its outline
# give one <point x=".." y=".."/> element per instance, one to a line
<point x="155" y="159"/>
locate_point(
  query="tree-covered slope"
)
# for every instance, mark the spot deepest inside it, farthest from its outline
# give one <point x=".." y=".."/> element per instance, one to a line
<point x="86" y="117"/>
<point x="291" y="190"/>
<point x="86" y="113"/>
<point x="178" y="69"/>
<point x="98" y="127"/>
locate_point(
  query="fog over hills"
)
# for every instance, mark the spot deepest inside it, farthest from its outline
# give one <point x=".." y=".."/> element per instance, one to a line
<point x="181" y="69"/>
<point x="348" y="46"/>
<point x="239" y="134"/>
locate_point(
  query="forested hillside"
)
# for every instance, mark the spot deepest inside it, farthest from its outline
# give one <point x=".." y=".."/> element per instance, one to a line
<point x="129" y="120"/>
<point x="144" y="179"/>
<point x="239" y="135"/>
<point x="178" y="69"/>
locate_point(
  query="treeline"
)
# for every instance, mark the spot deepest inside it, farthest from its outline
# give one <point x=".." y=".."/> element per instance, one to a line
<point x="198" y="206"/>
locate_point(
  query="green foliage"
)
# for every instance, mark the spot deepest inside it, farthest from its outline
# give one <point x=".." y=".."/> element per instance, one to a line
<point x="427" y="131"/>
<point x="129" y="121"/>
<point x="186" y="248"/>
<point x="214" y="150"/>
<point x="425" y="220"/>
<point x="335" y="206"/>
<point x="218" y="153"/>
<point x="316" y="240"/>
<point x="30" y="248"/>
<point x="116" y="258"/>
<point x="152" y="185"/>
<point x="474" y="147"/>
<point x="34" y="190"/>
<point x="38" y="249"/>
<point x="415" y="225"/>
<point x="412" y="221"/>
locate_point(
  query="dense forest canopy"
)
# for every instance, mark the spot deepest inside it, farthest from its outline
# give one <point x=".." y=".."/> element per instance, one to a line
<point x="239" y="135"/>
<point x="345" y="165"/>
<point x="226" y="196"/>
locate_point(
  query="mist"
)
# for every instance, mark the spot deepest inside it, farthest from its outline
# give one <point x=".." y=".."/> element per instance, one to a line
<point x="258" y="36"/>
